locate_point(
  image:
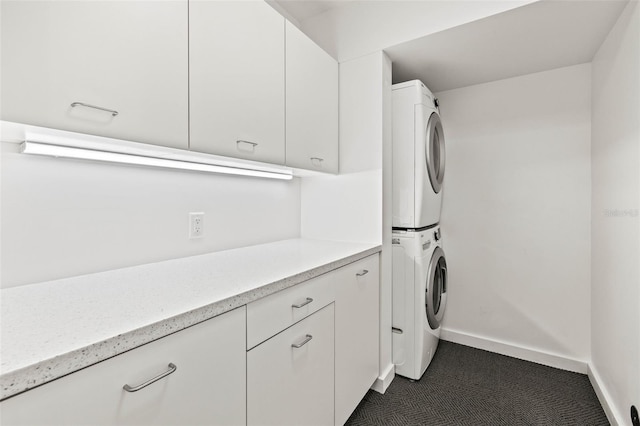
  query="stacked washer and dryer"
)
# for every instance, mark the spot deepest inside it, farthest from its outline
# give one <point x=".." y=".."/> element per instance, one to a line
<point x="419" y="265"/>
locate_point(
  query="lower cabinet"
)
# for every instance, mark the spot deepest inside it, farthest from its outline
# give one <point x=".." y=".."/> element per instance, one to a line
<point x="322" y="381"/>
<point x="357" y="334"/>
<point x="290" y="377"/>
<point x="312" y="356"/>
<point x="207" y="385"/>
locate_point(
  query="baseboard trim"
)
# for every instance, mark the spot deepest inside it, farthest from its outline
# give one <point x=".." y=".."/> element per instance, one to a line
<point x="503" y="348"/>
<point x="382" y="383"/>
<point x="604" y="397"/>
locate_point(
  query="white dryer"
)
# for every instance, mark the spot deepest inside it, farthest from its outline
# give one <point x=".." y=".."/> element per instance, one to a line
<point x="419" y="299"/>
<point x="418" y="156"/>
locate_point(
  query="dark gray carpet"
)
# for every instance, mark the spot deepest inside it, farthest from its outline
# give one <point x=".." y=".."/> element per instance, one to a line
<point x="468" y="386"/>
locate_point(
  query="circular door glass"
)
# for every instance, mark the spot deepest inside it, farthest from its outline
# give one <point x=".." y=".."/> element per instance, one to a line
<point x="434" y="150"/>
<point x="436" y="292"/>
<point x="436" y="288"/>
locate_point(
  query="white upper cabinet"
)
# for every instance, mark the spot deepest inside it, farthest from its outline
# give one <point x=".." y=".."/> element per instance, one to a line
<point x="231" y="78"/>
<point x="108" y="68"/>
<point x="312" y="104"/>
<point x="236" y="56"/>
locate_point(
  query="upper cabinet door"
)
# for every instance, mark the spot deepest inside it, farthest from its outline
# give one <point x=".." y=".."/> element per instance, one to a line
<point x="236" y="56"/>
<point x="108" y="68"/>
<point x="312" y="104"/>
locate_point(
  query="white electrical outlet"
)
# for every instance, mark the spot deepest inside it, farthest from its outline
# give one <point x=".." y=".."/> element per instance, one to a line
<point x="196" y="225"/>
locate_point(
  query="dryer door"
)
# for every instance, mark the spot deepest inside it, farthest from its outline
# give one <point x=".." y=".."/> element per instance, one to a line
<point x="434" y="151"/>
<point x="436" y="289"/>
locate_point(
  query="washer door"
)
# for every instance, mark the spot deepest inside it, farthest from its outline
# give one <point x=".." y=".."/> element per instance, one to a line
<point x="436" y="288"/>
<point x="434" y="150"/>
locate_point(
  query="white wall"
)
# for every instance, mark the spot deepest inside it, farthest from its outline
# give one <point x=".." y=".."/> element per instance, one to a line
<point x="516" y="215"/>
<point x="615" y="265"/>
<point x="63" y="218"/>
<point x="364" y="27"/>
<point x="351" y="206"/>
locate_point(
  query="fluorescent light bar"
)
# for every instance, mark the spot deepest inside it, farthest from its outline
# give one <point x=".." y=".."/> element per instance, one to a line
<point x="37" y="148"/>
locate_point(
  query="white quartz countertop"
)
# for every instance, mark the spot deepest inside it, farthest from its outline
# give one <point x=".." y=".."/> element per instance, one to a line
<point x="54" y="328"/>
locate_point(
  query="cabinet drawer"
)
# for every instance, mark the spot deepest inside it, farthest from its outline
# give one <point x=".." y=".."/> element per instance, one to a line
<point x="207" y="387"/>
<point x="274" y="313"/>
<point x="290" y="385"/>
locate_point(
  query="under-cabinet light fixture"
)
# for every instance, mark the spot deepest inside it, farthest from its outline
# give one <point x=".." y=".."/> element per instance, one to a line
<point x="39" y="148"/>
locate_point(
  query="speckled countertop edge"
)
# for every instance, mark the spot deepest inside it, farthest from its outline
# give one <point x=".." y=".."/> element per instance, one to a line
<point x="29" y="377"/>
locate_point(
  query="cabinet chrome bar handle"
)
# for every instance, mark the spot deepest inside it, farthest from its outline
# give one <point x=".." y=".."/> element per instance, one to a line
<point x="172" y="368"/>
<point x="112" y="111"/>
<point x="363" y="272"/>
<point x="304" y="342"/>
<point x="253" y="144"/>
<point x="300" y="305"/>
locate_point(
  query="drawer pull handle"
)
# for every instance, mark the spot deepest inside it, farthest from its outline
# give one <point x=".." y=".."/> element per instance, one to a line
<point x="172" y="368"/>
<point x="362" y="273"/>
<point x="112" y="111"/>
<point x="305" y="303"/>
<point x="304" y="342"/>
<point x="252" y="145"/>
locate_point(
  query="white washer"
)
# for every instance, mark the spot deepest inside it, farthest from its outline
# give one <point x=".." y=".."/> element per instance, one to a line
<point x="419" y="299"/>
<point x="418" y="156"/>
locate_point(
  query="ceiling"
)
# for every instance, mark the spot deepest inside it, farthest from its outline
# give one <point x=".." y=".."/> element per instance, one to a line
<point x="539" y="36"/>
<point x="536" y="37"/>
<point x="305" y="9"/>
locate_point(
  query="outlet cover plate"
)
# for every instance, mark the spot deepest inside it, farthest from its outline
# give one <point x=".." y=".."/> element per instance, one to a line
<point x="196" y="225"/>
